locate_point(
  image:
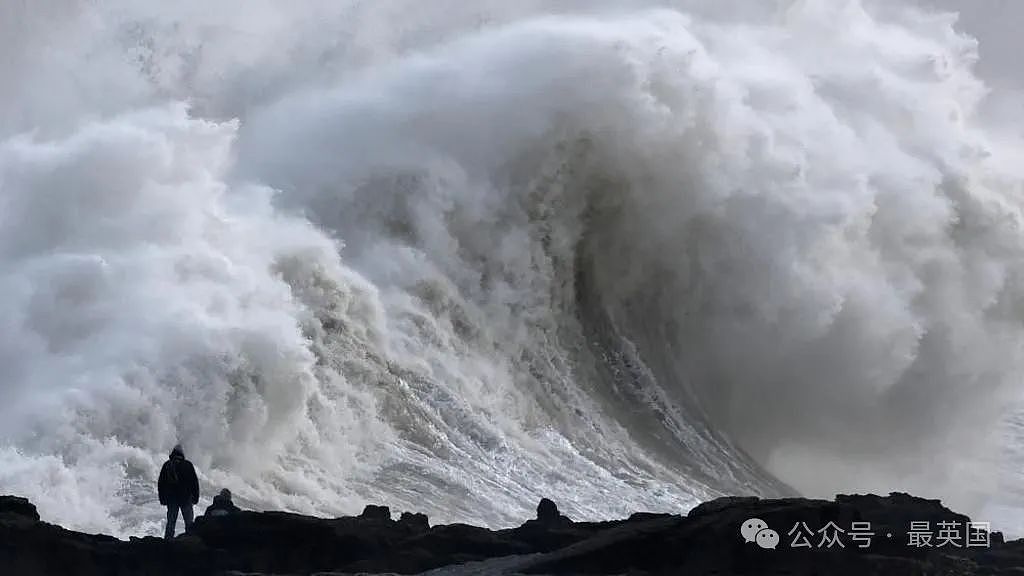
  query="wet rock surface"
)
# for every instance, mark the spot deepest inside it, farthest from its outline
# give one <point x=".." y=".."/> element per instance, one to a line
<point x="855" y="535"/>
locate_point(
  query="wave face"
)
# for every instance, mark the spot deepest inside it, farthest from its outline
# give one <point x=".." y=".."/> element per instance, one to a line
<point x="455" y="257"/>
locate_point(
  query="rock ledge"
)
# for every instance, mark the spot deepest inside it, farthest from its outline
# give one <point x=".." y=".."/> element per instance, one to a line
<point x="706" y="541"/>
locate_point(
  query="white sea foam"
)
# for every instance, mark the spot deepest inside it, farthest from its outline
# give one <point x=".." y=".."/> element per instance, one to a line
<point x="453" y="258"/>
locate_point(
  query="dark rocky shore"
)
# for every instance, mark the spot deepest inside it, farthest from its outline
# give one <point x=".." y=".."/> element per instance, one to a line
<point x="706" y="541"/>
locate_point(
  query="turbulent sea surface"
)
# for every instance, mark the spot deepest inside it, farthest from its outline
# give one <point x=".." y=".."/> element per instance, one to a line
<point x="454" y="256"/>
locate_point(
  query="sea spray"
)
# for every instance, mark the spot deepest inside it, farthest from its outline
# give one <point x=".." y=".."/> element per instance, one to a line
<point x="456" y="258"/>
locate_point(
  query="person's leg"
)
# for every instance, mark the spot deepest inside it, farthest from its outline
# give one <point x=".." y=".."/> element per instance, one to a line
<point x="186" y="513"/>
<point x="172" y="520"/>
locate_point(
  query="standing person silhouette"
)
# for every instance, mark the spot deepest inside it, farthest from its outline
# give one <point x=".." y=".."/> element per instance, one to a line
<point x="178" y="489"/>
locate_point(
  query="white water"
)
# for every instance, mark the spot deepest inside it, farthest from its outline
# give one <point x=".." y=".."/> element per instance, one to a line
<point x="455" y="258"/>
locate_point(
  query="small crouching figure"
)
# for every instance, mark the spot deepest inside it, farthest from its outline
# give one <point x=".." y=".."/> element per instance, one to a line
<point x="222" y="505"/>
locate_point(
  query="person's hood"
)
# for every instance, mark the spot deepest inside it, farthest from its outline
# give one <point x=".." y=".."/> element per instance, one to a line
<point x="177" y="453"/>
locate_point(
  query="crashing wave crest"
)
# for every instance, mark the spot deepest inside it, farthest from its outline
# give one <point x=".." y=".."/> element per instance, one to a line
<point x="623" y="258"/>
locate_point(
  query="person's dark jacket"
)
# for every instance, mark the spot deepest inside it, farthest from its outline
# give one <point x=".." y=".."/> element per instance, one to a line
<point x="178" y="484"/>
<point x="222" y="505"/>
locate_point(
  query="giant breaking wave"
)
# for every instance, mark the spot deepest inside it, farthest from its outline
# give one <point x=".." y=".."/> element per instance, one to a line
<point x="454" y="256"/>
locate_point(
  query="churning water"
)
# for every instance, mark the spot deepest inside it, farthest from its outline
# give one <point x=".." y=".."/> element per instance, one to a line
<point x="454" y="256"/>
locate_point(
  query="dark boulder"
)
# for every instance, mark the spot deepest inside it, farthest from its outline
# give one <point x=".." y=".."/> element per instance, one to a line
<point x="548" y="514"/>
<point x="18" y="506"/>
<point x="550" y="530"/>
<point x="415" y="521"/>
<point x="372" y="512"/>
<point x="719" y="504"/>
<point x="547" y="511"/>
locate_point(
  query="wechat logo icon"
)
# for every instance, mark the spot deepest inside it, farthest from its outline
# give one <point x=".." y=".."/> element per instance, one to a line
<point x="757" y="531"/>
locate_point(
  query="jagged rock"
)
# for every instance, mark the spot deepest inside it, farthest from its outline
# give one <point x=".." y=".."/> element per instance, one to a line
<point x="548" y="514"/>
<point x="441" y="546"/>
<point x="376" y="512"/>
<point x="416" y="521"/>
<point x="547" y="511"/>
<point x="635" y="516"/>
<point x="19" y="506"/>
<point x="720" y="504"/>
<point x="550" y="530"/>
<point x="707" y="541"/>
